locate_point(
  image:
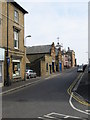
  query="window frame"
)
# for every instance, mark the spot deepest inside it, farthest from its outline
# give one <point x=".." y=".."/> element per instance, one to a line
<point x="16" y="39"/>
<point x="16" y="16"/>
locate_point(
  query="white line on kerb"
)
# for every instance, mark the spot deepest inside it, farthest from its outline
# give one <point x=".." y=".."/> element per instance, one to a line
<point x="70" y="101"/>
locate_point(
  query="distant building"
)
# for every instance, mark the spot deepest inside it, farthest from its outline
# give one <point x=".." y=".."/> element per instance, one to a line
<point x="66" y="59"/>
<point x="16" y="49"/>
<point x="71" y="53"/>
<point x="59" y="60"/>
<point x="44" y="59"/>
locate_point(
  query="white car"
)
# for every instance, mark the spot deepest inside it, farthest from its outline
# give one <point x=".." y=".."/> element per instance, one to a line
<point x="30" y="74"/>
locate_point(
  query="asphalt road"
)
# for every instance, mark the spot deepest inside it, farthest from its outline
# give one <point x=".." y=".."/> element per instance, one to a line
<point x="42" y="98"/>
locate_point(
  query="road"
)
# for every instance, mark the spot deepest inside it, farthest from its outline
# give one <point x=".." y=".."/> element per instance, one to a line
<point x="39" y="99"/>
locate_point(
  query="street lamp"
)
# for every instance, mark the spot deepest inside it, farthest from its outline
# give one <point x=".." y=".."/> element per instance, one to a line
<point x="28" y="36"/>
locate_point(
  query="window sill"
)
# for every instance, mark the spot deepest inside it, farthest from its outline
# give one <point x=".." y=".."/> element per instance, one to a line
<point x="17" y="22"/>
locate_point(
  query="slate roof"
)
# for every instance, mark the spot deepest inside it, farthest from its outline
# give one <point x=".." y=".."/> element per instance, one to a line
<point x="38" y="49"/>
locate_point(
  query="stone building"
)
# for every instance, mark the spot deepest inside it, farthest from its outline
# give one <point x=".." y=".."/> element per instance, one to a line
<point x="15" y="33"/>
<point x="42" y="59"/>
<point x="71" y="53"/>
<point x="59" y="60"/>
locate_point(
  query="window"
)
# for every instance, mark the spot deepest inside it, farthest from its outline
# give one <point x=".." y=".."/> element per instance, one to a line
<point x="16" y="37"/>
<point x="16" y="69"/>
<point x="16" y="16"/>
<point x="46" y="66"/>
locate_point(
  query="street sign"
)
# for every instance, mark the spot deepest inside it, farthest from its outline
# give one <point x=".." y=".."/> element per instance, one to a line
<point x="8" y="60"/>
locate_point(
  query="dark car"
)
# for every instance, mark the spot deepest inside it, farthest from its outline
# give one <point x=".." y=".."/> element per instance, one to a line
<point x="80" y="68"/>
<point x="89" y="69"/>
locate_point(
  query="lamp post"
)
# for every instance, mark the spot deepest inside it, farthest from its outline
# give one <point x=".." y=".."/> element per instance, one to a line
<point x="25" y="53"/>
<point x="8" y="83"/>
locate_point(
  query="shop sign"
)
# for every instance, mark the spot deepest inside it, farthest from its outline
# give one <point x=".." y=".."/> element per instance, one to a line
<point x="2" y="54"/>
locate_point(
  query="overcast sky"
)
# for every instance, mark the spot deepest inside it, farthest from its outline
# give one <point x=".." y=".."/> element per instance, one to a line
<point x="67" y="20"/>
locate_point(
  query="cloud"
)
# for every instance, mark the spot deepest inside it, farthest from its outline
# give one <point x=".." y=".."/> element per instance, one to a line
<point x="46" y="21"/>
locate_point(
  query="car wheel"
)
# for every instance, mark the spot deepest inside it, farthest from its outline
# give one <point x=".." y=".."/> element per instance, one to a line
<point x="29" y="76"/>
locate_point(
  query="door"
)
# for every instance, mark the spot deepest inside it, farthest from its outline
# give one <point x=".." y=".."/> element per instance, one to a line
<point x="53" y="66"/>
<point x="60" y="66"/>
<point x="50" y="68"/>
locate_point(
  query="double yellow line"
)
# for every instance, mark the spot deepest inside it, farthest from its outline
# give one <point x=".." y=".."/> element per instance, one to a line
<point x="74" y="96"/>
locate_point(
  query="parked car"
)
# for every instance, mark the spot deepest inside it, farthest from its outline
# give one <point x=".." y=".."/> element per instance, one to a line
<point x="80" y="68"/>
<point x="89" y="69"/>
<point x="30" y="74"/>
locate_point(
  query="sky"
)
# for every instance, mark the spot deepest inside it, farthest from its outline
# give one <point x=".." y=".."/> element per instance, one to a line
<point x="50" y="19"/>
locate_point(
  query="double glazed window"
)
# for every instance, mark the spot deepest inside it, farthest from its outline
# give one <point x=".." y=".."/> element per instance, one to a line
<point x="16" y="38"/>
<point x="16" y="16"/>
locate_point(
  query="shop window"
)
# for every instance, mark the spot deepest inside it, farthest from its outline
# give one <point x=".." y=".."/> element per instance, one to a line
<point x="16" y="38"/>
<point x="46" y="66"/>
<point x="16" y="69"/>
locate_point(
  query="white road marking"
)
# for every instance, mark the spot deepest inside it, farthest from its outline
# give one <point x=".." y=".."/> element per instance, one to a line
<point x="60" y="115"/>
<point x="70" y="101"/>
<point x="66" y="117"/>
<point x="47" y="116"/>
<point x="87" y="110"/>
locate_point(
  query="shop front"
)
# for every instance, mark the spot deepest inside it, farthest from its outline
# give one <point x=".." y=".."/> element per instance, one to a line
<point x="17" y="68"/>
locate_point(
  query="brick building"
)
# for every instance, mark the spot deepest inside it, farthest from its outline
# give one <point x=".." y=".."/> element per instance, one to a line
<point x="42" y="59"/>
<point x="16" y="49"/>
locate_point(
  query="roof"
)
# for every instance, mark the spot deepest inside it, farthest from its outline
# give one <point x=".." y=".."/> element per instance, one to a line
<point x="18" y="6"/>
<point x="27" y="60"/>
<point x="38" y="49"/>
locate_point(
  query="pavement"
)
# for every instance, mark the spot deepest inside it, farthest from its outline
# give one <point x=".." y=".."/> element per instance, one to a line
<point x="83" y="86"/>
